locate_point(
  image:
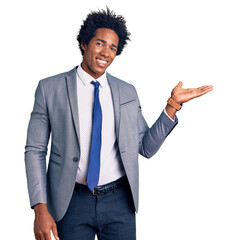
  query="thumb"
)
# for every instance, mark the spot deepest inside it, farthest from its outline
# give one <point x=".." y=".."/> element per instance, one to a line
<point x="180" y="84"/>
<point x="55" y="232"/>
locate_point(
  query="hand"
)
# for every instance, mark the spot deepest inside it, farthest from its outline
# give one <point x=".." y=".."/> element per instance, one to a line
<point x="44" y="223"/>
<point x="181" y="95"/>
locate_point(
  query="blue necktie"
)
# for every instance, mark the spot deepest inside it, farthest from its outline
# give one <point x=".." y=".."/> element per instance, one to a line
<point x="94" y="160"/>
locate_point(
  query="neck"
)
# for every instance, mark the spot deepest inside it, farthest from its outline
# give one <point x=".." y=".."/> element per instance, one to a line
<point x="90" y="72"/>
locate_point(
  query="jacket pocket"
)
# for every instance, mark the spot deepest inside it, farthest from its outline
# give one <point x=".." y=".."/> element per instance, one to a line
<point x="55" y="158"/>
<point x="57" y="154"/>
<point x="128" y="102"/>
<point x="54" y="162"/>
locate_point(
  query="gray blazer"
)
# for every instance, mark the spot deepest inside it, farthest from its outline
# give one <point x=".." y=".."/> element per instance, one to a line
<point x="55" y="111"/>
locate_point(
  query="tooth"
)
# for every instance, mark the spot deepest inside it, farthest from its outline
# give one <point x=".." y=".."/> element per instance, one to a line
<point x="102" y="61"/>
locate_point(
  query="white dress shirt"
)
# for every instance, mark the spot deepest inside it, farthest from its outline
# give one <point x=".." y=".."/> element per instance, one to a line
<point x="111" y="167"/>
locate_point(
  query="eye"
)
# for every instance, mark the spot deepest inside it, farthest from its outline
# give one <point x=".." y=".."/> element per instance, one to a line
<point x="99" y="44"/>
<point x="114" y="49"/>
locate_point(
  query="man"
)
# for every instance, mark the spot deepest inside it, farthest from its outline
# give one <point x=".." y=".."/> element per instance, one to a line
<point x="97" y="130"/>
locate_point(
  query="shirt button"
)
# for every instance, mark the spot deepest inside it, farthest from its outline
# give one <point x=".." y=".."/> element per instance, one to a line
<point x="75" y="159"/>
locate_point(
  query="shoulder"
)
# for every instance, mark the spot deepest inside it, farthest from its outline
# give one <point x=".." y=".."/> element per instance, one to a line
<point x="118" y="81"/>
<point x="58" y="78"/>
<point x="124" y="87"/>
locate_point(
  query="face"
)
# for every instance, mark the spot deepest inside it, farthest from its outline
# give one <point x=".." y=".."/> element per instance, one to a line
<point x="100" y="52"/>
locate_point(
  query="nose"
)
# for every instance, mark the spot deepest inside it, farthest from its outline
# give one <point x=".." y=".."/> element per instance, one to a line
<point x="105" y="52"/>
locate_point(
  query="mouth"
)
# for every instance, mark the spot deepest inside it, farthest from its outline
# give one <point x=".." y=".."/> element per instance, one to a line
<point x="101" y="63"/>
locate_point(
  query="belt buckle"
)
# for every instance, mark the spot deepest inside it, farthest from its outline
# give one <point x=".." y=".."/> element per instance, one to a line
<point x="94" y="192"/>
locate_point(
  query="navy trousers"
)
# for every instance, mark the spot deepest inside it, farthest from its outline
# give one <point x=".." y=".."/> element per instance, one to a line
<point x="110" y="216"/>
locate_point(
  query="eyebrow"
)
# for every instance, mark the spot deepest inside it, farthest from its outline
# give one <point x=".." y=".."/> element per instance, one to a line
<point x="103" y="41"/>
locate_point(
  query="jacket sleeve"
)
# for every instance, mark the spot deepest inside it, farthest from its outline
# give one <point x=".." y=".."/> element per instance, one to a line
<point x="36" y="149"/>
<point x="151" y="139"/>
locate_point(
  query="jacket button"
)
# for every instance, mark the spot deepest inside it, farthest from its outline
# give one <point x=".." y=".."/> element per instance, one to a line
<point x="75" y="159"/>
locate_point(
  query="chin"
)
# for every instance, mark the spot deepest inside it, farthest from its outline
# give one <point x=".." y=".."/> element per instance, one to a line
<point x="100" y="71"/>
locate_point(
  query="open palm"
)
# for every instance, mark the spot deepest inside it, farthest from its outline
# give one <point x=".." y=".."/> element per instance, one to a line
<point x="181" y="95"/>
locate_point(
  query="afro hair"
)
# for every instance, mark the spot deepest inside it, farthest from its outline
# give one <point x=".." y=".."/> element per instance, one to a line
<point x="103" y="19"/>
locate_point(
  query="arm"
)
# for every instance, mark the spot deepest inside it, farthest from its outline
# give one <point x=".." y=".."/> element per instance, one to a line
<point x="181" y="95"/>
<point x="152" y="138"/>
<point x="35" y="162"/>
<point x="36" y="149"/>
<point x="44" y="223"/>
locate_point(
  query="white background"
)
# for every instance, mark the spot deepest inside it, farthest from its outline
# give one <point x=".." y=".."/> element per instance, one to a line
<point x="187" y="190"/>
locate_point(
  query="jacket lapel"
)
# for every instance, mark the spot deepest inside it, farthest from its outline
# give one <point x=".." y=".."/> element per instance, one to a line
<point x="116" y="100"/>
<point x="72" y="93"/>
<point x="71" y="79"/>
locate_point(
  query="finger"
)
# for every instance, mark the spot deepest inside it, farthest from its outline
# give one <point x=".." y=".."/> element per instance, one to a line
<point x="55" y="232"/>
<point x="204" y="91"/>
<point x="36" y="237"/>
<point x="207" y="89"/>
<point x="210" y="87"/>
<point x="47" y="236"/>
<point x="203" y="88"/>
<point x="41" y="237"/>
<point x="180" y="84"/>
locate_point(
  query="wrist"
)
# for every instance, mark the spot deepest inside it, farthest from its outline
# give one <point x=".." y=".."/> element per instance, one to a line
<point x="172" y="103"/>
<point x="39" y="207"/>
<point x="171" y="111"/>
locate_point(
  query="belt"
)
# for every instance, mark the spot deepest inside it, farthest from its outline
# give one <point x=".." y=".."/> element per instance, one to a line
<point x="103" y="189"/>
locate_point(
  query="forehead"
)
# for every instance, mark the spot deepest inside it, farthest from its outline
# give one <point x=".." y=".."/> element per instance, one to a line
<point x="107" y="35"/>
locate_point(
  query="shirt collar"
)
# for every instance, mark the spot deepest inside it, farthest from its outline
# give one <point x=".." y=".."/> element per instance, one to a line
<point x="87" y="78"/>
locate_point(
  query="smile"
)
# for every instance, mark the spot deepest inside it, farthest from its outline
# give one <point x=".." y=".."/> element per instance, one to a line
<point x="101" y="62"/>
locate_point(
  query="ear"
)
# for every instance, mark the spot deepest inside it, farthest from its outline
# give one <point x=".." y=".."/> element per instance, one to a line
<point x="83" y="46"/>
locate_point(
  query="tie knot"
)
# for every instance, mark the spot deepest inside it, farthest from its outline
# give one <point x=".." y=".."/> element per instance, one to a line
<point x="96" y="84"/>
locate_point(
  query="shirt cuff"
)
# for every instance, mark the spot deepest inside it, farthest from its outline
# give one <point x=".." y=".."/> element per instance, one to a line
<point x="169" y="116"/>
<point x="38" y="203"/>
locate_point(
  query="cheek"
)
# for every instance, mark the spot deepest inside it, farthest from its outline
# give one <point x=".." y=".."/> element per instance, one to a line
<point x="113" y="57"/>
<point x="90" y="59"/>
